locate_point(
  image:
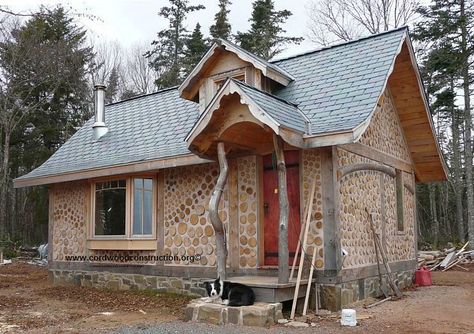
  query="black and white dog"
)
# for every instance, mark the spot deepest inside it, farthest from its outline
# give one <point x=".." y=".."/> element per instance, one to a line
<point x="232" y="294"/>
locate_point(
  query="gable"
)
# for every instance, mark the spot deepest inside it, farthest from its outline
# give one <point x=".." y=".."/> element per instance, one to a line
<point x="224" y="57"/>
<point x="384" y="132"/>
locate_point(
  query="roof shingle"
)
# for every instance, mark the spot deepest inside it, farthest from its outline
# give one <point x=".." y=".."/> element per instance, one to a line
<point x="336" y="88"/>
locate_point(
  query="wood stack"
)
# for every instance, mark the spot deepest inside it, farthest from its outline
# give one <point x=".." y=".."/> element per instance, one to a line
<point x="446" y="259"/>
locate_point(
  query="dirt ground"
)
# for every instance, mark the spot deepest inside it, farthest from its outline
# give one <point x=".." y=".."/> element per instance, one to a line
<point x="30" y="304"/>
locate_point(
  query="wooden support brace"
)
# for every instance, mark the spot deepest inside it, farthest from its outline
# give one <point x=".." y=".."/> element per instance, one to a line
<point x="221" y="247"/>
<point x="283" y="254"/>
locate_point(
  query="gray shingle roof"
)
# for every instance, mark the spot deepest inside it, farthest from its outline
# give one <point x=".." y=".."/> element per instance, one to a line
<point x="285" y="113"/>
<point x="336" y="88"/>
<point x="150" y="127"/>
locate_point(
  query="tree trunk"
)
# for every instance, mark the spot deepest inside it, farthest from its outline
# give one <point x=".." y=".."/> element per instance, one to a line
<point x="434" y="215"/>
<point x="4" y="185"/>
<point x="456" y="166"/>
<point x="467" y="122"/>
<point x="221" y="246"/>
<point x="283" y="255"/>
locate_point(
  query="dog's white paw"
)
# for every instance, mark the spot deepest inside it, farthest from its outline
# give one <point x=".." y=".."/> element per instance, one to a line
<point x="225" y="302"/>
<point x="206" y="299"/>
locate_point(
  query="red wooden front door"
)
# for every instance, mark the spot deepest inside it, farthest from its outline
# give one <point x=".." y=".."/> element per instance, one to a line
<point x="272" y="207"/>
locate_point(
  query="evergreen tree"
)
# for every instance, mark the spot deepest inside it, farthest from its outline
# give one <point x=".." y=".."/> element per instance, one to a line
<point x="266" y="35"/>
<point x="44" y="98"/>
<point x="221" y="27"/>
<point x="112" y="90"/>
<point x="449" y="24"/>
<point x="168" y="52"/>
<point x="196" y="46"/>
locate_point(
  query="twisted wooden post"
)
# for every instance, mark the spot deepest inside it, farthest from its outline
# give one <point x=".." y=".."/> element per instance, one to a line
<point x="221" y="247"/>
<point x="283" y="255"/>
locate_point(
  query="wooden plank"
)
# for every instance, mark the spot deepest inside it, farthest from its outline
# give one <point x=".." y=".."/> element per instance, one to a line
<point x="400" y="200"/>
<point x="329" y="210"/>
<point x="337" y="229"/>
<point x="160" y="219"/>
<point x="377" y="155"/>
<point x="261" y="212"/>
<point x="151" y="165"/>
<point x="392" y="284"/>
<point x="298" y="245"/>
<point x="304" y="244"/>
<point x="51" y="223"/>
<point x="123" y="244"/>
<point x="310" y="279"/>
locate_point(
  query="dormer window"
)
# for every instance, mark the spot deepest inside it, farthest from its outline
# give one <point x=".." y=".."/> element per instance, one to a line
<point x="227" y="60"/>
<point x="236" y="76"/>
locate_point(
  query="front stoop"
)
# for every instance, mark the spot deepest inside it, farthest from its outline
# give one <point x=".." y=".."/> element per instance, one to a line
<point x="259" y="314"/>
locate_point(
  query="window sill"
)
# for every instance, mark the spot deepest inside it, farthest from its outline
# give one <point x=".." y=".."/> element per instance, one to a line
<point x="121" y="244"/>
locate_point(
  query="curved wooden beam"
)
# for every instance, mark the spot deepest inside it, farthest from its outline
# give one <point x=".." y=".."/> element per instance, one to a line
<point x="221" y="247"/>
<point x="365" y="166"/>
<point x="344" y="171"/>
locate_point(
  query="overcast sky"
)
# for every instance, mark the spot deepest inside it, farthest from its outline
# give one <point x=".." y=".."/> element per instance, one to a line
<point x="132" y="21"/>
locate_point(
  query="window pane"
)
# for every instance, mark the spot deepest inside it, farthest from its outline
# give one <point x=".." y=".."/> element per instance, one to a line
<point x="138" y="183"/>
<point x="148" y="209"/>
<point x="137" y="208"/>
<point x="142" y="206"/>
<point x="148" y="184"/>
<point x="109" y="210"/>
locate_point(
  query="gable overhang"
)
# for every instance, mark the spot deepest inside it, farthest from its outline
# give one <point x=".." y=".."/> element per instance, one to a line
<point x="257" y="115"/>
<point x="190" y="86"/>
<point x="410" y="100"/>
<point x="406" y="87"/>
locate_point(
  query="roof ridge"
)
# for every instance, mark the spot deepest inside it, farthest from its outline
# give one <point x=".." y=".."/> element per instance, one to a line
<point x="328" y="47"/>
<point x="163" y="90"/>
<point x="264" y="92"/>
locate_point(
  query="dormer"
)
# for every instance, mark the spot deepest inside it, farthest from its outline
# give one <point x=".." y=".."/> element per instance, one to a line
<point x="226" y="60"/>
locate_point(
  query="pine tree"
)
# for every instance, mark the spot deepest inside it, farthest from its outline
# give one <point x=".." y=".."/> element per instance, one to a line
<point x="451" y="23"/>
<point x="196" y="46"/>
<point x="221" y="27"/>
<point x="266" y="35"/>
<point x="168" y="52"/>
<point x="112" y="90"/>
<point x="44" y="73"/>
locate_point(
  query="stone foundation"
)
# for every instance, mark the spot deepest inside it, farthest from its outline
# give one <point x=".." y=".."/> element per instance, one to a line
<point x="336" y="296"/>
<point x="259" y="314"/>
<point x="118" y="281"/>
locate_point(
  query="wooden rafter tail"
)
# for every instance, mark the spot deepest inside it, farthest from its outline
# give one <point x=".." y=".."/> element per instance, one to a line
<point x="303" y="247"/>
<point x="221" y="247"/>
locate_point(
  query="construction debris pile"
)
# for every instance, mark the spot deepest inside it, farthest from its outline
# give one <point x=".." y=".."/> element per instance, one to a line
<point x="446" y="259"/>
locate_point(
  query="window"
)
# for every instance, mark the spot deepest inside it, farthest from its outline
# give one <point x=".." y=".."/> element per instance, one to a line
<point x="110" y="207"/>
<point x="142" y="206"/>
<point x="124" y="208"/>
<point x="399" y="191"/>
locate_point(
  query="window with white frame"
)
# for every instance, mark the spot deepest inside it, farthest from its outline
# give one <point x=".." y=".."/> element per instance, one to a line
<point x="124" y="208"/>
